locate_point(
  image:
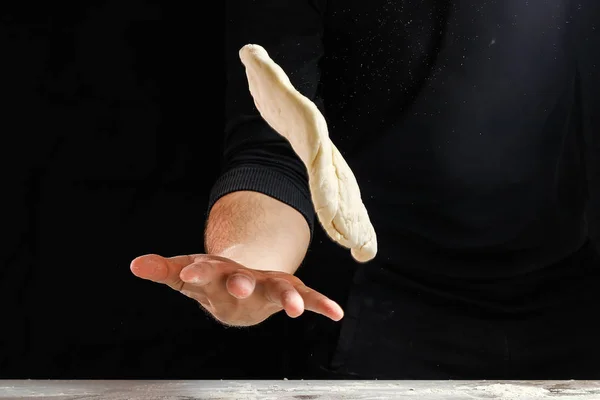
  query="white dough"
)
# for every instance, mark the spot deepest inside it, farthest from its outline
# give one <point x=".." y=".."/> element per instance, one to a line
<point x="334" y="189"/>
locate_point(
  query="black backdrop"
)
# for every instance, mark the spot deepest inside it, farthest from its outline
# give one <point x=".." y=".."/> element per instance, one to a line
<point x="111" y="139"/>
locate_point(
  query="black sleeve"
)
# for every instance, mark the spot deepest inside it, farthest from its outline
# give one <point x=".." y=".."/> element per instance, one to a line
<point x="256" y="157"/>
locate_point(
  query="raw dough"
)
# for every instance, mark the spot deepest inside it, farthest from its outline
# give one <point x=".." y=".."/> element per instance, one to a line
<point x="334" y="189"/>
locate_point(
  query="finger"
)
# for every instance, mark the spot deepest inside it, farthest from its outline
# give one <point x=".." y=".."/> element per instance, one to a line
<point x="160" y="269"/>
<point x="282" y="293"/>
<point x="200" y="273"/>
<point x="320" y="304"/>
<point x="241" y="284"/>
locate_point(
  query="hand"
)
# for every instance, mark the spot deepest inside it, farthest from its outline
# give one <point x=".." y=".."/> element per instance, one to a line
<point x="231" y="293"/>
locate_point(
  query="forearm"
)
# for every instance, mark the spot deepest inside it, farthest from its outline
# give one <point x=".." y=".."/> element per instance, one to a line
<point x="257" y="231"/>
<point x="262" y="215"/>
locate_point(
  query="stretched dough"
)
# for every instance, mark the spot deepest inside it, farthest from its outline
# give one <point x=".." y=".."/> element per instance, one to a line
<point x="334" y="189"/>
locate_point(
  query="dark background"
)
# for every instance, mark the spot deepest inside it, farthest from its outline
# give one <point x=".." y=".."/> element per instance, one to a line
<point x="111" y="137"/>
<point x="111" y="134"/>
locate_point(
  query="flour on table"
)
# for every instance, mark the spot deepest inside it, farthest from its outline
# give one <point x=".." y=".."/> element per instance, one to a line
<point x="334" y="190"/>
<point x="508" y="391"/>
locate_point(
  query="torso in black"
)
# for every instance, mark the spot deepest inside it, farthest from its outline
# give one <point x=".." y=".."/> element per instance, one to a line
<point x="463" y="121"/>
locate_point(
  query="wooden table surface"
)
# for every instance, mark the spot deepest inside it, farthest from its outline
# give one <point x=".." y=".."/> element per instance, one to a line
<point x="298" y="390"/>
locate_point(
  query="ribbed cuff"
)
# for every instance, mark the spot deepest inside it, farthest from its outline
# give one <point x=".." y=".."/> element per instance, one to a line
<point x="266" y="181"/>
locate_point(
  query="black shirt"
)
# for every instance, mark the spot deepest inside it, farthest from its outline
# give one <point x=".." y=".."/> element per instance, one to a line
<point x="472" y="128"/>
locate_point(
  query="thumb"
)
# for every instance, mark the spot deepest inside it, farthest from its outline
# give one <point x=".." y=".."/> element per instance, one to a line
<point x="160" y="269"/>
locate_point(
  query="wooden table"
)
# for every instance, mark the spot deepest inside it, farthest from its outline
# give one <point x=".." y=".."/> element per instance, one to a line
<point x="299" y="390"/>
